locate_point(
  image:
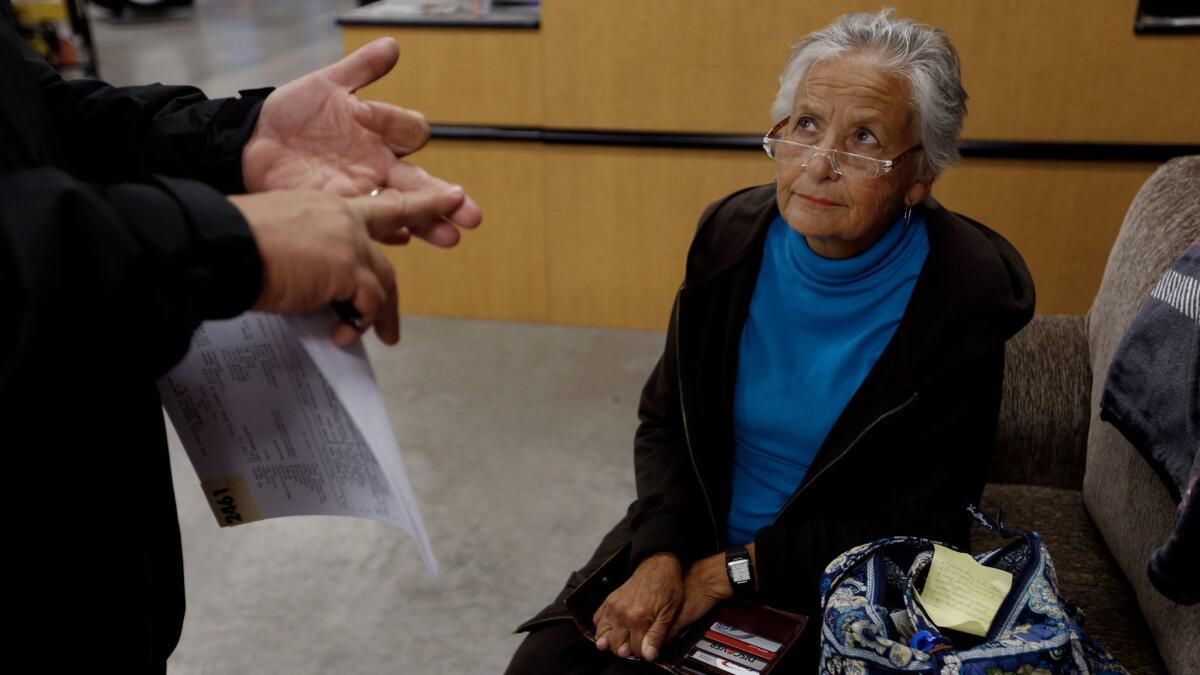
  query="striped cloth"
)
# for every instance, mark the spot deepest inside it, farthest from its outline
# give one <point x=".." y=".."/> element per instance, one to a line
<point x="1179" y="290"/>
<point x="1152" y="395"/>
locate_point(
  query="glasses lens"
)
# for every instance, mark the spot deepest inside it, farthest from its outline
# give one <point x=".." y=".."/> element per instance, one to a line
<point x="857" y="166"/>
<point x="788" y="153"/>
<point x="853" y="166"/>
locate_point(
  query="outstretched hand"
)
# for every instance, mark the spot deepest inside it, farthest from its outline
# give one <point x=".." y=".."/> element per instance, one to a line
<point x="315" y="133"/>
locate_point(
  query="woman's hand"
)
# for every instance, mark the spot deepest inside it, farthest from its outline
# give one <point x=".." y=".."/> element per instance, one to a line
<point x="705" y="584"/>
<point x="634" y="618"/>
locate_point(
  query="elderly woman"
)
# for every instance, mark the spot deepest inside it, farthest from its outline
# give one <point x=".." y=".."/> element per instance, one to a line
<point x="833" y="367"/>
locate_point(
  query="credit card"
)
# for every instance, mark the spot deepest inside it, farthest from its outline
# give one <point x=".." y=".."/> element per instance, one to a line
<point x="738" y="644"/>
<point x="747" y="637"/>
<point x="722" y="664"/>
<point x="735" y="655"/>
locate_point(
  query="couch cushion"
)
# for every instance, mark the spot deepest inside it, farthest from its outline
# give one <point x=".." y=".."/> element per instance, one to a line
<point x="1042" y="435"/>
<point x="1087" y="574"/>
<point x="1129" y="505"/>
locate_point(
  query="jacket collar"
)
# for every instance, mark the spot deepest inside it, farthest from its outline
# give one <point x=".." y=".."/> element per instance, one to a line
<point x="973" y="293"/>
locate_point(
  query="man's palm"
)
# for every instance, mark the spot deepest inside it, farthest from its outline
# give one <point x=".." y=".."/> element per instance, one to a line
<point x="314" y="133"/>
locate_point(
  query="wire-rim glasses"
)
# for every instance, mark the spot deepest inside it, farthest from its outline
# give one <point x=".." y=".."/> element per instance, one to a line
<point x="844" y="163"/>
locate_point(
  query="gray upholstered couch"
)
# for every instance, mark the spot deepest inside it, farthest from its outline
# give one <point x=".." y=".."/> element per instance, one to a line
<point x="1062" y="471"/>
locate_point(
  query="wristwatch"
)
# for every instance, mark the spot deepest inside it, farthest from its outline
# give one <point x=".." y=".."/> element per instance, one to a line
<point x="740" y="570"/>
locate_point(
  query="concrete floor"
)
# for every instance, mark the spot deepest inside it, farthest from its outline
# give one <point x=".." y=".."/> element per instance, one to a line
<point x="517" y="439"/>
<point x="221" y="45"/>
<point x="518" y="442"/>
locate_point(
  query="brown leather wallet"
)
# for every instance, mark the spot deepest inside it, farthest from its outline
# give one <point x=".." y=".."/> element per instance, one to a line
<point x="735" y="637"/>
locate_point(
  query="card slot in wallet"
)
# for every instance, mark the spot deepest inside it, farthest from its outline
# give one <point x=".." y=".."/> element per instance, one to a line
<point x="735" y="637"/>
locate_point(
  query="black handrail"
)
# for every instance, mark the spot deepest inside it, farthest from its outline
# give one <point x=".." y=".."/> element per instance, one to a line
<point x="986" y="149"/>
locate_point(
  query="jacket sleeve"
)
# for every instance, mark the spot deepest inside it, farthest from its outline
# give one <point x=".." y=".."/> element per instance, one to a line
<point x="666" y="507"/>
<point x="132" y="267"/>
<point x="922" y="502"/>
<point x="111" y="134"/>
<point x="670" y="512"/>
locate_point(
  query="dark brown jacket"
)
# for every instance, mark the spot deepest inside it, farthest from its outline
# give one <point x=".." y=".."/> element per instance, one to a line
<point x="908" y="453"/>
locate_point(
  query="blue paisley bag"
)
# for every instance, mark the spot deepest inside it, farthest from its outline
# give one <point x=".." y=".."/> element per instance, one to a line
<point x="869" y="614"/>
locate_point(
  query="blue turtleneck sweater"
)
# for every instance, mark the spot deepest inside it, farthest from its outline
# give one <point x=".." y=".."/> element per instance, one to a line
<point x="816" y="327"/>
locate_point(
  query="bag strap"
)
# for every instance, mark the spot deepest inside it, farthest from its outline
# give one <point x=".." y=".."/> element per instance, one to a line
<point x="994" y="524"/>
<point x="847" y="562"/>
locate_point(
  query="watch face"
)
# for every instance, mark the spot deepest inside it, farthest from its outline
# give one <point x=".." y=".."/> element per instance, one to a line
<point x="739" y="571"/>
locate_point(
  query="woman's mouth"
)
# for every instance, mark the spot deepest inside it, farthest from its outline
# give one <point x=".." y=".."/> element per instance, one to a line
<point x="816" y="200"/>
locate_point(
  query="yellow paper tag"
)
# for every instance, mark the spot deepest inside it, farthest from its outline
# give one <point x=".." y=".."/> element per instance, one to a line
<point x="960" y="594"/>
<point x="232" y="501"/>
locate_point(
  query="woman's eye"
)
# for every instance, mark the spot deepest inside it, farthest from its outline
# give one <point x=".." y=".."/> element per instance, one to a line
<point x="865" y="137"/>
<point x="805" y="124"/>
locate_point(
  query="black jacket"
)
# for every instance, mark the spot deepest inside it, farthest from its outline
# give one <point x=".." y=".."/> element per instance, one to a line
<point x="906" y="455"/>
<point x="115" y="243"/>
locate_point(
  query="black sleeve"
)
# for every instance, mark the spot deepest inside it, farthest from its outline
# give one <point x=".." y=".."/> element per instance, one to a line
<point x="671" y="511"/>
<point x="667" y="507"/>
<point x="146" y="261"/>
<point x="934" y="476"/>
<point x="112" y="134"/>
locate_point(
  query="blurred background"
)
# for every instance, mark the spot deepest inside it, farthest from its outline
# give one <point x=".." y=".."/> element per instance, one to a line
<point x="593" y="133"/>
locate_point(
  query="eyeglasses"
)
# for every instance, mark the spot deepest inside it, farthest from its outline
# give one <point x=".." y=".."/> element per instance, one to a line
<point x="844" y="163"/>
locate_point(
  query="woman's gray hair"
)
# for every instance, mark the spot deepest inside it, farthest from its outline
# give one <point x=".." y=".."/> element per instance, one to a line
<point x="919" y="52"/>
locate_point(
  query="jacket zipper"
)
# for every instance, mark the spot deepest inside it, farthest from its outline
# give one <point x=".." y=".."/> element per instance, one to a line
<point x="848" y="448"/>
<point x="687" y="436"/>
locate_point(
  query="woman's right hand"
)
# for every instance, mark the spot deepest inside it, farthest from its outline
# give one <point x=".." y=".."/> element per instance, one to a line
<point x="634" y="619"/>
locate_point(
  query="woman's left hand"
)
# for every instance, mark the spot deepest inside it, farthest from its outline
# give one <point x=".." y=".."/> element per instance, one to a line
<point x="705" y="584"/>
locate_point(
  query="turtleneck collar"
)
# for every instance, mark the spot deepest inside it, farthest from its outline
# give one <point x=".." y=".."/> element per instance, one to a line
<point x="886" y="252"/>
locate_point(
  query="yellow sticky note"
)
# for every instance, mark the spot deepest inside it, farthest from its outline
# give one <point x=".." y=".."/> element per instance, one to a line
<point x="960" y="594"/>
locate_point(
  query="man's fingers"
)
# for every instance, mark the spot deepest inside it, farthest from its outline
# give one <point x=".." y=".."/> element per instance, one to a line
<point x="398" y="238"/>
<point x="369" y="300"/>
<point x="405" y="176"/>
<point x="403" y="131"/>
<point x="344" y="335"/>
<point x="468" y="215"/>
<point x="387" y="325"/>
<point x="365" y="65"/>
<point x="420" y="212"/>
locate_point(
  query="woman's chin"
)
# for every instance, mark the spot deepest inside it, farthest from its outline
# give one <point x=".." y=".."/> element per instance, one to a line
<point x="808" y="226"/>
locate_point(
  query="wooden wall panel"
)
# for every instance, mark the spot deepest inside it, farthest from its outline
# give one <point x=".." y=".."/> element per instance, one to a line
<point x="1049" y="71"/>
<point x="498" y="270"/>
<point x="619" y="221"/>
<point x="672" y="65"/>
<point x="460" y="75"/>
<point x="1062" y="216"/>
<point x="598" y="235"/>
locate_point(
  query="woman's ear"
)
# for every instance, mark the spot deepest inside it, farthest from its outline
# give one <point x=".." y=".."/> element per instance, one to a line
<point x="920" y="187"/>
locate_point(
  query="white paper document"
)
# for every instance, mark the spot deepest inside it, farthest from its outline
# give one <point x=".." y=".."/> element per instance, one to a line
<point x="280" y="422"/>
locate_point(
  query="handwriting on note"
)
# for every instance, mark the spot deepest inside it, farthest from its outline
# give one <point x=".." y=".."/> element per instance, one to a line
<point x="960" y="594"/>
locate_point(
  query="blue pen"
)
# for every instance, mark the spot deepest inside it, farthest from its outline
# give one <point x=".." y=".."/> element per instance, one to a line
<point x="925" y="641"/>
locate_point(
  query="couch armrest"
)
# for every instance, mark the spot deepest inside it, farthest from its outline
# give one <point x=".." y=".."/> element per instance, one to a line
<point x="1042" y="435"/>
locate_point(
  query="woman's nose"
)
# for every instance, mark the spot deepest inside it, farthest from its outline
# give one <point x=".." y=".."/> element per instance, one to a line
<point x="820" y="165"/>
